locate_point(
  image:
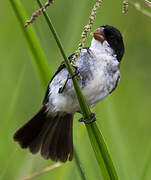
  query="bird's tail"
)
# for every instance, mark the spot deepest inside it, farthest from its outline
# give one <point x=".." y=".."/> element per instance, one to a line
<point x="53" y="135"/>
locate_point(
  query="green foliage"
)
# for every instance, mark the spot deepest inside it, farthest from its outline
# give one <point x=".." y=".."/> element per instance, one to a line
<point x="124" y="117"/>
<point x="39" y="60"/>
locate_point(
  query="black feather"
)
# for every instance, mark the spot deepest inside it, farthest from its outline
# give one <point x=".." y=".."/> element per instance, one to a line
<point x="27" y="133"/>
<point x="115" y="40"/>
<point x="58" y="142"/>
<point x="52" y="134"/>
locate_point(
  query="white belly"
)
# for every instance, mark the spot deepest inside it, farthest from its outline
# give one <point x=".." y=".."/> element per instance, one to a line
<point x="100" y="87"/>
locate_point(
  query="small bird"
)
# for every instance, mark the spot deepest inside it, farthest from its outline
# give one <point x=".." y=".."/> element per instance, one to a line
<point x="50" y="130"/>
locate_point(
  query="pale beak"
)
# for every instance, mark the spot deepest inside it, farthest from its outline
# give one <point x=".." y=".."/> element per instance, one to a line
<point x="98" y="34"/>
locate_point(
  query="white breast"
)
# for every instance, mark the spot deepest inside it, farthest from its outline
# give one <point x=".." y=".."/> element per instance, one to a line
<point x="100" y="87"/>
<point x="106" y="74"/>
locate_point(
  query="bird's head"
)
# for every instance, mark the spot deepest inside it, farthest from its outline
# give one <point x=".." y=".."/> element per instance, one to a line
<point x="111" y="36"/>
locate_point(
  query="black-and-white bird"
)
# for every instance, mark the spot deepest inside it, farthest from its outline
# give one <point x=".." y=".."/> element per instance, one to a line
<point x="50" y="130"/>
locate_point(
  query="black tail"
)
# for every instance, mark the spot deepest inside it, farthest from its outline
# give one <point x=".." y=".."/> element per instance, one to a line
<point x="53" y="135"/>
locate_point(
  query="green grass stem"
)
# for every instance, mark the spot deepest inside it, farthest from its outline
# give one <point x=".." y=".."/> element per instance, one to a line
<point x="83" y="105"/>
<point x="97" y="141"/>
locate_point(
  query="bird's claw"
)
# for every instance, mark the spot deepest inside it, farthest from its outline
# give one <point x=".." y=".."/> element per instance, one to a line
<point x="87" y="121"/>
<point x="76" y="73"/>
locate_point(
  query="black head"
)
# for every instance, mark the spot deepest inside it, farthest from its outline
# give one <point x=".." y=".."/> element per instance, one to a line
<point x="113" y="37"/>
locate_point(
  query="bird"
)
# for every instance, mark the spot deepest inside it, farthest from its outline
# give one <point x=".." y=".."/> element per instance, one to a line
<point x="50" y="130"/>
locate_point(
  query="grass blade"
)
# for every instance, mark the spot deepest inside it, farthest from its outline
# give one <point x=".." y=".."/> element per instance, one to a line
<point x="39" y="60"/>
<point x="11" y="108"/>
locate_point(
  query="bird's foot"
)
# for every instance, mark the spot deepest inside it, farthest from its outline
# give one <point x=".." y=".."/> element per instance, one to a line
<point x="87" y="121"/>
<point x="76" y="73"/>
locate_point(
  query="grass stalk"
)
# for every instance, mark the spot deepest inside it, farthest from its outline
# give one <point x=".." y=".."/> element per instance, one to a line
<point x="148" y="3"/>
<point x="79" y="166"/>
<point x="39" y="61"/>
<point x="97" y="141"/>
<point x="86" y="110"/>
<point x="138" y="7"/>
<point x="36" y="174"/>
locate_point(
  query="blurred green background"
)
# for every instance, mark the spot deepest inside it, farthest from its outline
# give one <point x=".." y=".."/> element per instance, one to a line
<point x="124" y="117"/>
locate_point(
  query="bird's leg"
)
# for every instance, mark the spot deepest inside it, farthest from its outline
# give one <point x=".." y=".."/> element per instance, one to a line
<point x="76" y="73"/>
<point x="63" y="87"/>
<point x="87" y="121"/>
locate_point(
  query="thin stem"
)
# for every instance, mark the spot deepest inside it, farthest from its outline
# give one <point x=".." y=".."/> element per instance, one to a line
<point x="139" y="8"/>
<point x="96" y="138"/>
<point x="148" y="3"/>
<point x="86" y="30"/>
<point x="80" y="168"/>
<point x="67" y="63"/>
<point x="101" y="152"/>
<point x="83" y="105"/>
<point x="37" y="13"/>
<point x="43" y="171"/>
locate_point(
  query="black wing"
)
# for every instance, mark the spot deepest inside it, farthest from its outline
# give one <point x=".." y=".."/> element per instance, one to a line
<point x="62" y="66"/>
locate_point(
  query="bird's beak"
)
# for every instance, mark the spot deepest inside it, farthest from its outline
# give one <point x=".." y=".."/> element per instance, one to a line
<point x="98" y="34"/>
